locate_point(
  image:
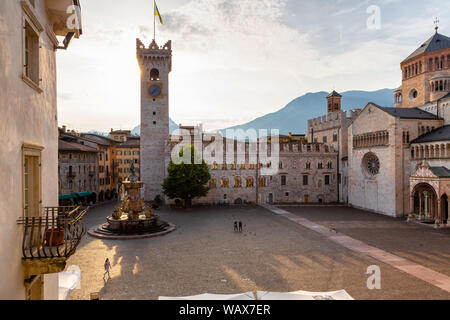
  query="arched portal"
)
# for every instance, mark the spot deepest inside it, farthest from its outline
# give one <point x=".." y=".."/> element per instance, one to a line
<point x="444" y="208"/>
<point x="425" y="202"/>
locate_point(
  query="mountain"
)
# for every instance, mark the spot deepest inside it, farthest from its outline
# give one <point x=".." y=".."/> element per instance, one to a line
<point x="172" y="127"/>
<point x="98" y="133"/>
<point x="295" y="115"/>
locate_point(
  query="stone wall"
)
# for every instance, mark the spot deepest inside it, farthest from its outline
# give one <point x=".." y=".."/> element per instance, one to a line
<point x="294" y="158"/>
<point x="27" y="116"/>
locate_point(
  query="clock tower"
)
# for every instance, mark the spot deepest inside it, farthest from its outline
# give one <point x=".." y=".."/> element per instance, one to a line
<point x="155" y="63"/>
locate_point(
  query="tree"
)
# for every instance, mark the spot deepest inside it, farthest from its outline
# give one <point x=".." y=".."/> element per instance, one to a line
<point x="187" y="177"/>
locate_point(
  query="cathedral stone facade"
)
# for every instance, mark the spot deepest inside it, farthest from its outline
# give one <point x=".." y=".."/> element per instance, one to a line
<point x="399" y="156"/>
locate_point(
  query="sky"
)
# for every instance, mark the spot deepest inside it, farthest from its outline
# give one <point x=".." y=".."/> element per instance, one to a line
<point x="235" y="60"/>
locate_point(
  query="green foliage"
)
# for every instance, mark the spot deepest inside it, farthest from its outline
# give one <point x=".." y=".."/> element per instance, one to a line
<point x="188" y="177"/>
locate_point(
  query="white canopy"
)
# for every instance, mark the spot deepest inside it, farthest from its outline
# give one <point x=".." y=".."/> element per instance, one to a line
<point x="265" y="295"/>
<point x="214" y="297"/>
<point x="304" y="295"/>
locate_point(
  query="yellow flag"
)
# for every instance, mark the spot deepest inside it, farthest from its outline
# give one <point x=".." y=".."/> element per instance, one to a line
<point x="158" y="14"/>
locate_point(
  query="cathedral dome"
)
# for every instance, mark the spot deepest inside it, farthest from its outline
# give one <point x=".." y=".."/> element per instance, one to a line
<point x="435" y="43"/>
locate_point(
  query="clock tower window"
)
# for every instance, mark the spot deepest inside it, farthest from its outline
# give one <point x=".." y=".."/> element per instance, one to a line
<point x="154" y="75"/>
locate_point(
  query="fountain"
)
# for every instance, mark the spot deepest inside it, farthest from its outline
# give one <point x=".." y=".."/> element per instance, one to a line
<point x="132" y="219"/>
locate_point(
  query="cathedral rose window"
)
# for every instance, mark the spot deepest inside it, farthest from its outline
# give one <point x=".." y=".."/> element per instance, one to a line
<point x="371" y="164"/>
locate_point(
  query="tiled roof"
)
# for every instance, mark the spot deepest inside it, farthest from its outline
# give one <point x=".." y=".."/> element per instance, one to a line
<point x="408" y="113"/>
<point x="441" y="172"/>
<point x="440" y="134"/>
<point x="440" y="75"/>
<point x="73" y="146"/>
<point x="98" y="139"/>
<point x="334" y="94"/>
<point x="132" y="142"/>
<point x="436" y="42"/>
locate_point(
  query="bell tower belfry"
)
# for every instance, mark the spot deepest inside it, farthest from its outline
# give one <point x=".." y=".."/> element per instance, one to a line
<point x="155" y="63"/>
<point x="334" y="102"/>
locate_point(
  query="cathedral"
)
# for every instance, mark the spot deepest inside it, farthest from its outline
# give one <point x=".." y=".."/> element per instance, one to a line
<point x="392" y="160"/>
<point x="399" y="157"/>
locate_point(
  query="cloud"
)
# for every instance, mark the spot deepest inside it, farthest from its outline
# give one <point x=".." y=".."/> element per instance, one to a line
<point x="235" y="60"/>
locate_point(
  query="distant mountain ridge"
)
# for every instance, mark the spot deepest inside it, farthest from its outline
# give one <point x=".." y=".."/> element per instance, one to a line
<point x="136" y="131"/>
<point x="295" y="115"/>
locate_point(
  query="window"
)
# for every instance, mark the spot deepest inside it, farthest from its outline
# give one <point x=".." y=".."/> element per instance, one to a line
<point x="213" y="183"/>
<point x="330" y="165"/>
<point x="283" y="180"/>
<point x="327" y="180"/>
<point x="305" y="180"/>
<point x="31" y="181"/>
<point x="214" y="166"/>
<point x="237" y="182"/>
<point x="320" y="165"/>
<point x="413" y="94"/>
<point x="250" y="182"/>
<point x="281" y="165"/>
<point x="308" y="165"/>
<point x="335" y="137"/>
<point x="154" y="75"/>
<point x="324" y="139"/>
<point x="262" y="182"/>
<point x="31" y="53"/>
<point x="371" y="164"/>
<point x="224" y="183"/>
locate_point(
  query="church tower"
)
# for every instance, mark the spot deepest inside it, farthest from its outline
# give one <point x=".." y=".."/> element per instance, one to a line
<point x="156" y="64"/>
<point x="426" y="73"/>
<point x="334" y="100"/>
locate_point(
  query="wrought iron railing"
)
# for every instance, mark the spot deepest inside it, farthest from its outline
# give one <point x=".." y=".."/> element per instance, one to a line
<point x="54" y="234"/>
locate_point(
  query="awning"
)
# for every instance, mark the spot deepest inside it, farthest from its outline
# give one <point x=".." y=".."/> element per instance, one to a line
<point x="67" y="196"/>
<point x="84" y="194"/>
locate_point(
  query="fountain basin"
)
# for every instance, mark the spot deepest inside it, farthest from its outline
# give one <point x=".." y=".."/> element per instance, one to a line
<point x="142" y="224"/>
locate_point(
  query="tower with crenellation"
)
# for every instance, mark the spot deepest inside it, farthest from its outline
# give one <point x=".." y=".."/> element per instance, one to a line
<point x="155" y="63"/>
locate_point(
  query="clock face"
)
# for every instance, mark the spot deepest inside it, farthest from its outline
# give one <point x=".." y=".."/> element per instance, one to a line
<point x="154" y="91"/>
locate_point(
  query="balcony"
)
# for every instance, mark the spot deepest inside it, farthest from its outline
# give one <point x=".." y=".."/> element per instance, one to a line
<point x="49" y="240"/>
<point x="59" y="12"/>
<point x="91" y="173"/>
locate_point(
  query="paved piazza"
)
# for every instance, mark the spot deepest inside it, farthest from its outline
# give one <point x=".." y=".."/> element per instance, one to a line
<point x="272" y="254"/>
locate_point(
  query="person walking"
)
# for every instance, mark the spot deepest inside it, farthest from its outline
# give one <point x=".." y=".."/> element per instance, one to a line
<point x="108" y="267"/>
<point x="235" y="226"/>
<point x="240" y="226"/>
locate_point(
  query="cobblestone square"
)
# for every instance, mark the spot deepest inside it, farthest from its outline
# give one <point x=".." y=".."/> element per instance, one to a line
<point x="272" y="254"/>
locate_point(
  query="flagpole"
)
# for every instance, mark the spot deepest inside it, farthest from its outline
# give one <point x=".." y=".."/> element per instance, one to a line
<point x="154" y="21"/>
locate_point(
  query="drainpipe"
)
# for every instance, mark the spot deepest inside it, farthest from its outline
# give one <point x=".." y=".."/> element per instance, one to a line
<point x="257" y="171"/>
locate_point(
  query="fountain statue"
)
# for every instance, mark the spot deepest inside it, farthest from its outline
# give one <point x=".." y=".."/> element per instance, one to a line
<point x="132" y="218"/>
